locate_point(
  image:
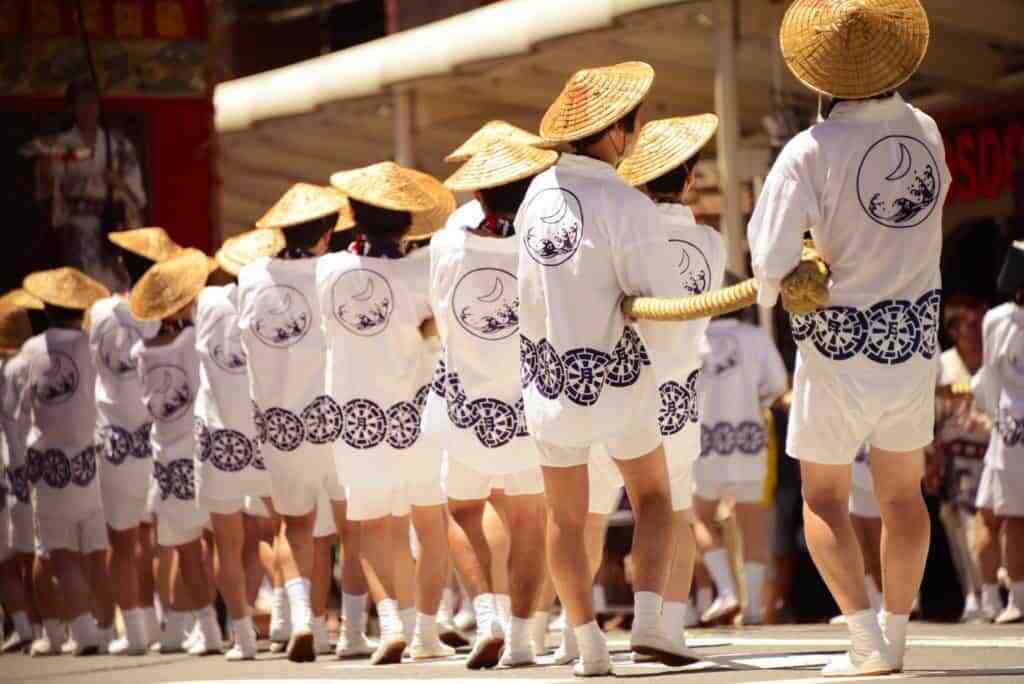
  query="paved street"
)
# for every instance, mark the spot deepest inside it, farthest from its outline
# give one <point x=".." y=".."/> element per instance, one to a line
<point x="950" y="654"/>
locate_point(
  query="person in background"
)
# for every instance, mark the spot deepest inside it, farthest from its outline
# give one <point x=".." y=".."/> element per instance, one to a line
<point x="869" y="182"/>
<point x="999" y="391"/>
<point x="743" y="375"/>
<point x="59" y="394"/>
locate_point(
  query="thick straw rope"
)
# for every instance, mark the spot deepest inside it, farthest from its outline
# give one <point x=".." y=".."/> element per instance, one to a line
<point x="803" y="291"/>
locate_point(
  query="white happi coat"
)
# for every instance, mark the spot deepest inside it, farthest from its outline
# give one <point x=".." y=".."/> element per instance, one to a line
<point x="123" y="423"/>
<point x="742" y="375"/>
<point x="59" y="394"/>
<point x="999" y="388"/>
<point x="372" y="309"/>
<point x="476" y="408"/>
<point x="170" y="381"/>
<point x="16" y="422"/>
<point x="230" y="464"/>
<point x="586" y="239"/>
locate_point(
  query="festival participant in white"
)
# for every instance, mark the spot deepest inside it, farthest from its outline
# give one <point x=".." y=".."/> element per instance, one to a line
<point x="476" y="408"/>
<point x="168" y="367"/>
<point x="283" y="339"/>
<point x="999" y="391"/>
<point x="373" y="303"/>
<point x="743" y="375"/>
<point x="61" y="458"/>
<point x="122" y="436"/>
<point x="18" y="553"/>
<point x="662" y="166"/>
<point x="869" y="182"/>
<point x="586" y="240"/>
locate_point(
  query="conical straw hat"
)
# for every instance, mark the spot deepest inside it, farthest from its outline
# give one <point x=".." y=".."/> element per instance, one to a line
<point x="151" y="243"/>
<point x="171" y="285"/>
<point x="302" y="203"/>
<point x="426" y="223"/>
<point x="490" y="132"/>
<point x="66" y="287"/>
<point x="665" y="145"/>
<point x="241" y="250"/>
<point x="15" y="327"/>
<point x="499" y="164"/>
<point x="22" y="299"/>
<point x="854" y="49"/>
<point x="385" y="185"/>
<point x="594" y="99"/>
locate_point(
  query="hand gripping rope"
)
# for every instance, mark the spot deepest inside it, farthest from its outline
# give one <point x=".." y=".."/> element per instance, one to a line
<point x="803" y="290"/>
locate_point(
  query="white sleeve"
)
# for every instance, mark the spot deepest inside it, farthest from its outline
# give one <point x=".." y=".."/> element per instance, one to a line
<point x="786" y="208"/>
<point x="773" y="379"/>
<point x="130" y="169"/>
<point x="985" y="387"/>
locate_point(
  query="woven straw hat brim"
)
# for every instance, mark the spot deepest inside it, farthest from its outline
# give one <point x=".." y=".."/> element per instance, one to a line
<point x="500" y="164"/>
<point x="15" y="327"/>
<point x="385" y="185"/>
<point x="171" y="285"/>
<point x="150" y="243"/>
<point x="21" y="298"/>
<point x="854" y="49"/>
<point x="66" y="287"/>
<point x="665" y="145"/>
<point x="241" y="250"/>
<point x="491" y="132"/>
<point x="426" y="223"/>
<point x="594" y="99"/>
<point x="302" y="203"/>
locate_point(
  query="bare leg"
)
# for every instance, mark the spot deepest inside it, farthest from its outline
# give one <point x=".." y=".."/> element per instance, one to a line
<point x="470" y="552"/>
<point x="524" y="518"/>
<point x="67" y="567"/>
<point x="145" y="564"/>
<point x="567" y="497"/>
<point x="297" y="561"/>
<point x="987" y="548"/>
<point x="190" y="560"/>
<point x="869" y="538"/>
<point x="498" y="542"/>
<point x="229" y="571"/>
<point x="678" y="587"/>
<point x="647" y="486"/>
<point x="321" y="587"/>
<point x="1013" y="550"/>
<point x="124" y="573"/>
<point x="404" y="566"/>
<point x="353" y="579"/>
<point x="95" y="565"/>
<point x="251" y="559"/>
<point x="379" y="557"/>
<point x="432" y="567"/>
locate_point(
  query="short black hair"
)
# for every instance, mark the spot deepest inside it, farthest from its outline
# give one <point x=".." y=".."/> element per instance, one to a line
<point x="505" y="199"/>
<point x="628" y="124"/>
<point x="39" y="320"/>
<point x="62" y="317"/>
<point x="135" y="264"/>
<point x="378" y="222"/>
<point x="673" y="182"/>
<point x="308" y="234"/>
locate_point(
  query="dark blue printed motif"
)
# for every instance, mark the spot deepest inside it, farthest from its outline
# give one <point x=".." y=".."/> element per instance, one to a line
<point x="679" y="405"/>
<point x="751" y="438"/>
<point x="142" y="447"/>
<point x="494" y="422"/>
<point x="285" y="430"/>
<point x="486" y="303"/>
<point x="55" y="378"/>
<point x="34" y="465"/>
<point x="1010" y="429"/>
<point x="403" y="425"/>
<point x="366" y="424"/>
<point x="282" y="316"/>
<point x="556" y="235"/>
<point x="550" y="378"/>
<point x="914" y="182"/>
<point x="171" y="395"/>
<point x="586" y="371"/>
<point x="527" y="362"/>
<point x="362" y="302"/>
<point x="116" y="444"/>
<point x="323" y="420"/>
<point x="725" y="439"/>
<point x="83" y="466"/>
<point x="56" y="469"/>
<point x="176" y="479"/>
<point x="694" y="269"/>
<point x="19" y="483"/>
<point x="226" y="449"/>
<point x="890" y="332"/>
<point x="202" y="440"/>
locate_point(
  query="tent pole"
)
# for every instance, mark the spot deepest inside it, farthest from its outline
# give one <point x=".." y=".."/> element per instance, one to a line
<point x="404" y="99"/>
<point x="727" y="106"/>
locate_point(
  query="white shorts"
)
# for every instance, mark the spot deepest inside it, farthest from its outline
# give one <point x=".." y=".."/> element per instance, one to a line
<point x="465" y="484"/>
<point x="681" y="487"/>
<point x="605" y="483"/>
<point x="255" y="508"/>
<point x="371" y="504"/>
<point x="296" y="480"/>
<point x="323" y="523"/>
<point x="740" y="492"/>
<point x="626" y="448"/>
<point x="179" y="522"/>
<point x="1000" y="492"/>
<point x="221" y="506"/>
<point x="863" y="503"/>
<point x="830" y="419"/>
<point x="6" y="551"/>
<point x="84" y="534"/>
<point x="23" y="529"/>
<point x="122" y="510"/>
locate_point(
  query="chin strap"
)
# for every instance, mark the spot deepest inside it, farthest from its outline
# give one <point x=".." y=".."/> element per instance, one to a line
<point x="804" y="290"/>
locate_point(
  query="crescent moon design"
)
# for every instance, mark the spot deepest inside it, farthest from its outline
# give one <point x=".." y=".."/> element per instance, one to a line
<point x="367" y="293"/>
<point x="495" y="294"/>
<point x="558" y="214"/>
<point x="903" y="168"/>
<point x="684" y="260"/>
<point x="165" y="386"/>
<point x="283" y="306"/>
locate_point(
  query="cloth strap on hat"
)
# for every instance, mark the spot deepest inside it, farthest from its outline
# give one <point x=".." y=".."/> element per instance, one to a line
<point x="497" y="226"/>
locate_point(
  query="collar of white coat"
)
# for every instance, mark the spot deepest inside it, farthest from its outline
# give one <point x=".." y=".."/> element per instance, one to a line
<point x="868" y="110"/>
<point x="678" y="212"/>
<point x="589" y="166"/>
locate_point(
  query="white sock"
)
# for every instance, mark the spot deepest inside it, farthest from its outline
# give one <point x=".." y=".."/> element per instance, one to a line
<point x="485" y="608"/>
<point x="21" y="625"/>
<point x="37" y="630"/>
<point x="865" y="634"/>
<point x="150" y="624"/>
<point x="408" y="618"/>
<point x="591" y="641"/>
<point x="446" y="610"/>
<point x="206" y="618"/>
<point x="519" y="634"/>
<point x="1017" y="594"/>
<point x="703" y="599"/>
<point x="569" y="644"/>
<point x="83" y="629"/>
<point x="426" y="626"/>
<point x="134" y="626"/>
<point x="245" y="632"/>
<point x="991" y="601"/>
<point x="53" y="630"/>
<point x="353" y="608"/>
<point x="279" y="604"/>
<point x="504" y="602"/>
<point x="158" y="608"/>
<point x="539" y="630"/>
<point x="387" y="611"/>
<point x="673" y="619"/>
<point x="894" y="627"/>
<point x="971" y="603"/>
<point x="874" y="594"/>
<point x="646" y="611"/>
<point x="754" y="573"/>
<point x="298" y="600"/>
<point x="717" y="563"/>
